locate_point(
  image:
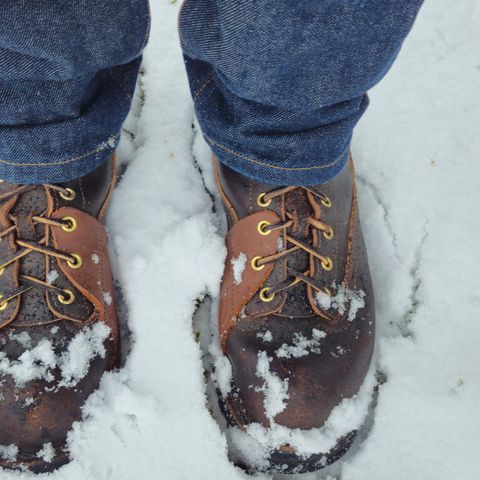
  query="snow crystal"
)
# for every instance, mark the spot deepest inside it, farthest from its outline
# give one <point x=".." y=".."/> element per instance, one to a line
<point x="47" y="452"/>
<point x="54" y="329"/>
<point x="107" y="298"/>
<point x="355" y="300"/>
<point x="280" y="245"/>
<point x="265" y="336"/>
<point x="51" y="276"/>
<point x="28" y="401"/>
<point x="95" y="258"/>
<point x="222" y="374"/>
<point x="301" y="345"/>
<point x="23" y="338"/>
<point x="275" y="390"/>
<point x="238" y="265"/>
<point x="8" y="452"/>
<point x="109" y="143"/>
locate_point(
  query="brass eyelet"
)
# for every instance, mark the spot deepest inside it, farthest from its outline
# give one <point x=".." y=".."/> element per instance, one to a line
<point x="326" y="202"/>
<point x="261" y="202"/>
<point x="327" y="264"/>
<point x="261" y="228"/>
<point x="69" y="195"/>
<point x="67" y="298"/>
<point x="328" y="235"/>
<point x="264" y="296"/>
<point x="3" y="305"/>
<point x="71" y="224"/>
<point x="254" y="264"/>
<point x="76" y="263"/>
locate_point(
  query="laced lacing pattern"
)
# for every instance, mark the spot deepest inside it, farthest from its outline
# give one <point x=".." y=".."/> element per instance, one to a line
<point x="265" y="228"/>
<point x="73" y="260"/>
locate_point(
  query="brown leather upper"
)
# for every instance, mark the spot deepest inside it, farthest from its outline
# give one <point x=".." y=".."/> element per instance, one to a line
<point x="317" y="382"/>
<point x="43" y="410"/>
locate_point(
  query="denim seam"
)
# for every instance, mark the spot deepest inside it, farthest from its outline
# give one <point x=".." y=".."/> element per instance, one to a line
<point x="99" y="149"/>
<point x="265" y="164"/>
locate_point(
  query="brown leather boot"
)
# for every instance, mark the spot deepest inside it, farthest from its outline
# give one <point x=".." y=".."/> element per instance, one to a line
<point x="58" y="327"/>
<point x="296" y="304"/>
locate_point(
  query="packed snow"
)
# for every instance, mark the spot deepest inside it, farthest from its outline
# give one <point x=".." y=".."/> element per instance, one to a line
<point x="254" y="444"/>
<point x="416" y="154"/>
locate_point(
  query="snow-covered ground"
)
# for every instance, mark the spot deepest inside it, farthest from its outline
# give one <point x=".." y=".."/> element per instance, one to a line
<point x="417" y="152"/>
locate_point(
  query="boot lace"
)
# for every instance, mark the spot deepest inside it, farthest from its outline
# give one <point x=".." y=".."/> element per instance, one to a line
<point x="73" y="260"/>
<point x="317" y="200"/>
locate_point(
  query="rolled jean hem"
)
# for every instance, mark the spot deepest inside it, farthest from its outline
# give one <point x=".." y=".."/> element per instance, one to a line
<point x="264" y="172"/>
<point x="58" y="171"/>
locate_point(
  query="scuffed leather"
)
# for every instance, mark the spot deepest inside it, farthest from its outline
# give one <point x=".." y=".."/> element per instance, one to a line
<point x="41" y="411"/>
<point x="317" y="382"/>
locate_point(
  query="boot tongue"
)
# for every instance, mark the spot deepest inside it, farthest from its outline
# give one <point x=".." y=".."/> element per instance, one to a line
<point x="29" y="204"/>
<point x="298" y="209"/>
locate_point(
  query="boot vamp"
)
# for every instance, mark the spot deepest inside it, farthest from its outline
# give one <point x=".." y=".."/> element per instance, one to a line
<point x="317" y="368"/>
<point x="48" y="371"/>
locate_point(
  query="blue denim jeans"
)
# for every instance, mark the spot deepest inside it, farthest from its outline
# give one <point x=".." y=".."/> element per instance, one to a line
<point x="278" y="86"/>
<point x="67" y="75"/>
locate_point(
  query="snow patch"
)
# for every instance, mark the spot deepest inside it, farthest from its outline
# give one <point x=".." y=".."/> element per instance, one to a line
<point x="265" y="336"/>
<point x="280" y="244"/>
<point x="47" y="452"/>
<point x="8" y="452"/>
<point x="34" y="363"/>
<point x="95" y="258"/>
<point x="23" y="338"/>
<point x="84" y="347"/>
<point x="51" y="276"/>
<point x="301" y="345"/>
<point x="238" y="265"/>
<point x="275" y="390"/>
<point x="107" y="298"/>
<point x="344" y="297"/>
<point x="40" y="361"/>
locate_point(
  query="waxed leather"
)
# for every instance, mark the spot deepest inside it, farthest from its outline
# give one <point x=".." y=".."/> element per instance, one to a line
<point x="319" y="381"/>
<point x="43" y="410"/>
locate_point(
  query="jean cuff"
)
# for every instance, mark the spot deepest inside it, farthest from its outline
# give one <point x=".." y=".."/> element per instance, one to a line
<point x="60" y="170"/>
<point x="265" y="172"/>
